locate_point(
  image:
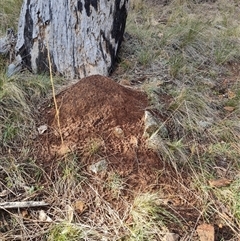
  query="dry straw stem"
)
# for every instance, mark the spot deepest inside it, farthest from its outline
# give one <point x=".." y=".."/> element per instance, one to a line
<point x="54" y="96"/>
<point x="188" y="59"/>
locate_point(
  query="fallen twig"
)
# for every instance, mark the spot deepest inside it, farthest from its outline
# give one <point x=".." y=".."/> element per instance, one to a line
<point x="6" y="205"/>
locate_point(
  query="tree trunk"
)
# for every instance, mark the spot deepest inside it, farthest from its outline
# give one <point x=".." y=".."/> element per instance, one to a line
<point x="82" y="36"/>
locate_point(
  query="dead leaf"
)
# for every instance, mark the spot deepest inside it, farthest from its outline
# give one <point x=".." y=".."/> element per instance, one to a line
<point x="231" y="94"/>
<point x="125" y="82"/>
<point x="79" y="206"/>
<point x="205" y="232"/>
<point x="229" y="108"/>
<point x="63" y="149"/>
<point x="221" y="182"/>
<point x="4" y="193"/>
<point x="25" y="213"/>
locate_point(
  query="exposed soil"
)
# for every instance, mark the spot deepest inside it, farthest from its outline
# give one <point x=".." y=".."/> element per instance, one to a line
<point x="102" y="119"/>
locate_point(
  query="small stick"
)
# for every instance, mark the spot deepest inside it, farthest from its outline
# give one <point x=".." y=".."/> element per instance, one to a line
<point x="7" y="205"/>
<point x="54" y="95"/>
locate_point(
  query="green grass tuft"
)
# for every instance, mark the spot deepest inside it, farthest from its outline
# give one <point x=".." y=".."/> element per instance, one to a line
<point x="189" y="55"/>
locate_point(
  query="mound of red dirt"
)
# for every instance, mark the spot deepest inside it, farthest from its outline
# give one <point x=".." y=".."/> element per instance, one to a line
<point x="99" y="118"/>
<point x="103" y="120"/>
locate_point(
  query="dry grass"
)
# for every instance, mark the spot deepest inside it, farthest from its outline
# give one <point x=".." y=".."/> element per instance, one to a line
<point x="9" y="13"/>
<point x="187" y="55"/>
<point x="184" y="54"/>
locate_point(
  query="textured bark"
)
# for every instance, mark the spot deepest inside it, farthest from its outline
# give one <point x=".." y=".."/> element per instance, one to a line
<point x="83" y="36"/>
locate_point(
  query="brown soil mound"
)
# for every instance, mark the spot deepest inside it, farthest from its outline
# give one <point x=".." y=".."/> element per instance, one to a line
<point x="102" y="119"/>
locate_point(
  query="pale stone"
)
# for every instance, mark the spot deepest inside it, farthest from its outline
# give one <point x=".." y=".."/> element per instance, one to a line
<point x="154" y="142"/>
<point x="154" y="131"/>
<point x="151" y="124"/>
<point x="118" y="132"/>
<point x="171" y="237"/>
<point x="100" y="166"/>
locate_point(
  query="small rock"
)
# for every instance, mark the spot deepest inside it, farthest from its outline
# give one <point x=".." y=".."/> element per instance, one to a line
<point x="14" y="67"/>
<point x="99" y="166"/>
<point x="154" y="142"/>
<point x="42" y="129"/>
<point x="206" y="124"/>
<point x="171" y="237"/>
<point x="43" y="217"/>
<point x="151" y="124"/>
<point x="163" y="132"/>
<point x="118" y="132"/>
<point x="160" y="35"/>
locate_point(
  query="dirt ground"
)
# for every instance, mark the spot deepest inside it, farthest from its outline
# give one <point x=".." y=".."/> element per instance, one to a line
<point x="100" y="118"/>
<point x="103" y="120"/>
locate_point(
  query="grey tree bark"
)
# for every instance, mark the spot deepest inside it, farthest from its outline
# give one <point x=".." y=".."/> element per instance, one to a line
<point x="82" y="36"/>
